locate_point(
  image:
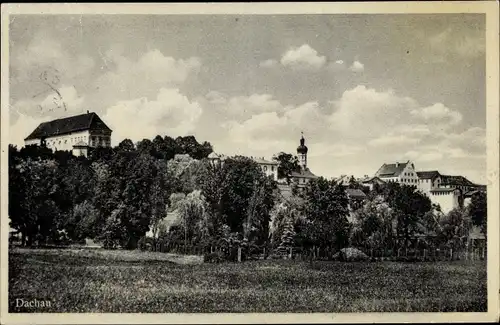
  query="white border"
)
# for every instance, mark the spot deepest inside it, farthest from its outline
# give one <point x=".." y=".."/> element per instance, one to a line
<point x="490" y="8"/>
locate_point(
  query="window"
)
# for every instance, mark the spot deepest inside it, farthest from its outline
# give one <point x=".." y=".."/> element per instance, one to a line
<point x="272" y="168"/>
<point x="265" y="168"/>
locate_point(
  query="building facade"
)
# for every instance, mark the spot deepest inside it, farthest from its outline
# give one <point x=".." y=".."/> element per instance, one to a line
<point x="402" y="173"/>
<point x="77" y="134"/>
<point x="268" y="167"/>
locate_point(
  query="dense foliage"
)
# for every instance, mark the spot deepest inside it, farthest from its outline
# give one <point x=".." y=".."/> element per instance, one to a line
<point x="168" y="190"/>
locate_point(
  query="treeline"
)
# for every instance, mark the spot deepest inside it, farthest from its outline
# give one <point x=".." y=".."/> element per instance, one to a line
<point x="114" y="195"/>
<point x="167" y="187"/>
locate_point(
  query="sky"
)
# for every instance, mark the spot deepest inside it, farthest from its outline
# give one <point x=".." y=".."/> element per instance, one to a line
<point x="364" y="89"/>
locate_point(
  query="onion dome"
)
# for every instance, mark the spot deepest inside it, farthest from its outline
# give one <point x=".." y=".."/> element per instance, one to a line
<point x="302" y="149"/>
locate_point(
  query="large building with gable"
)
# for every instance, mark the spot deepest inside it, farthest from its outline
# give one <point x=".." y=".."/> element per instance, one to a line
<point x="446" y="190"/>
<point x="77" y="134"/>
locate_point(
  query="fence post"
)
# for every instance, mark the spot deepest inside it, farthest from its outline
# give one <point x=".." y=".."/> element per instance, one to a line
<point x="482" y="253"/>
<point x="239" y="254"/>
<point x="425" y="254"/>
<point x="451" y="254"/>
<point x="398" y="251"/>
<point x="291" y="248"/>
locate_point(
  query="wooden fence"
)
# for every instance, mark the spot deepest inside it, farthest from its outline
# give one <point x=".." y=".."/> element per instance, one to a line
<point x="299" y="253"/>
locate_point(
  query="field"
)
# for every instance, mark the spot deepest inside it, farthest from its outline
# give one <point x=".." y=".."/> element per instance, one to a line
<point x="119" y="281"/>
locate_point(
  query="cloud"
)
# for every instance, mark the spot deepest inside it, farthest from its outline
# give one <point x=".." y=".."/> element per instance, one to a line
<point x="366" y="113"/>
<point x="26" y="114"/>
<point x="170" y="113"/>
<point x="357" y="66"/>
<point x="467" y="44"/>
<point x="438" y="112"/>
<point x="45" y="53"/>
<point x="393" y="140"/>
<point x="268" y="63"/>
<point x="128" y="79"/>
<point x="303" y="57"/>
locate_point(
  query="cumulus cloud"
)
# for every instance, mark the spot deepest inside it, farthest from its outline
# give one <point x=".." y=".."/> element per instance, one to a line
<point x="438" y="112"/>
<point x="365" y="112"/>
<point x="128" y="79"/>
<point x="45" y="53"/>
<point x="357" y="66"/>
<point x="170" y="113"/>
<point x="303" y="57"/>
<point x="469" y="44"/>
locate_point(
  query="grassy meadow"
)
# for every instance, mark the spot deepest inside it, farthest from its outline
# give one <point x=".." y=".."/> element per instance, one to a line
<point x="134" y="281"/>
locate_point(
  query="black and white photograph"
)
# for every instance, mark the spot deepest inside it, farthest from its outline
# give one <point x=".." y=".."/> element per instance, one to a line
<point x="249" y="162"/>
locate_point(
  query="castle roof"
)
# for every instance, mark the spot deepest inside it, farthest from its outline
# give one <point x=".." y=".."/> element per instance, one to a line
<point x="428" y="174"/>
<point x="391" y="170"/>
<point x="82" y="122"/>
<point x="303" y="174"/>
<point x="455" y="180"/>
<point x="262" y="161"/>
<point x="373" y="179"/>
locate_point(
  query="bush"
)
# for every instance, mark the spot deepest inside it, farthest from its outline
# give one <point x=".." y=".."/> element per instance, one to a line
<point x="215" y="257"/>
<point x="146" y="244"/>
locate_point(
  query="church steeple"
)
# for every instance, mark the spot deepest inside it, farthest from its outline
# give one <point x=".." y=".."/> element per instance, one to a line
<point x="302" y="152"/>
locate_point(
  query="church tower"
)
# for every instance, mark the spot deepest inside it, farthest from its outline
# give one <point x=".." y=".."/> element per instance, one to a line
<point x="302" y="153"/>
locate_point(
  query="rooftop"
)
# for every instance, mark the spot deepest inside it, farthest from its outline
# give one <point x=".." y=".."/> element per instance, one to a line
<point x="67" y="125"/>
<point x="355" y="193"/>
<point x="428" y="174"/>
<point x="391" y="170"/>
<point x="303" y="174"/>
<point x="455" y="180"/>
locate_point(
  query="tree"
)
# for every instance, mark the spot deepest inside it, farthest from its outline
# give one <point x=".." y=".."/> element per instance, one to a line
<point x="32" y="206"/>
<point x="147" y="147"/>
<point x="478" y="211"/>
<point x="373" y="224"/>
<point x="189" y="145"/>
<point x="126" y="145"/>
<point x="326" y="210"/>
<point x="213" y="186"/>
<point x="288" y="164"/>
<point x="259" y="208"/>
<point x="409" y="205"/>
<point x="241" y="180"/>
<point x="185" y="172"/>
<point x="455" y="228"/>
<point x="192" y="212"/>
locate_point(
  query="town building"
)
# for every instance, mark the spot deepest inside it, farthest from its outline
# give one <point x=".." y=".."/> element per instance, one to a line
<point x="356" y="198"/>
<point x="268" y="167"/>
<point x="402" y="173"/>
<point x="448" y="191"/>
<point x="304" y="175"/>
<point x="77" y="134"/>
<point x="371" y="182"/>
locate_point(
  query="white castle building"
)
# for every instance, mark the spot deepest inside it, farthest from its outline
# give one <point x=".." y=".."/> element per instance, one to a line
<point x="448" y="191"/>
<point x="75" y="133"/>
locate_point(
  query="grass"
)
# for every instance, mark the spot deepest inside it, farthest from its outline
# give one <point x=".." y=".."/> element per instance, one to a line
<point x="120" y="281"/>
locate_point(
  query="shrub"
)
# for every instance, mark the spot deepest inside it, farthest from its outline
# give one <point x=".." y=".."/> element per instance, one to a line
<point x="215" y="257"/>
<point x="146" y="244"/>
